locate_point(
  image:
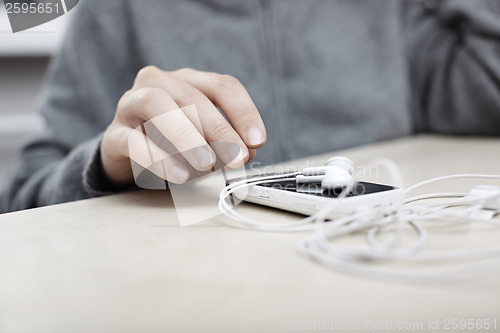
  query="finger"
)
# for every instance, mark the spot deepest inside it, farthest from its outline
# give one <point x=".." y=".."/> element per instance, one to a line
<point x="202" y="113"/>
<point x="159" y="109"/>
<point x="252" y="154"/>
<point x="209" y="121"/>
<point x="221" y="136"/>
<point x="143" y="151"/>
<point x="231" y="96"/>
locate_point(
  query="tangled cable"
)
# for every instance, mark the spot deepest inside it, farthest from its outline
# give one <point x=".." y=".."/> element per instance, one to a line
<point x="480" y="205"/>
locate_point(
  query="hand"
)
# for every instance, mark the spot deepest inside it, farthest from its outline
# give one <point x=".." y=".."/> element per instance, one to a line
<point x="163" y="99"/>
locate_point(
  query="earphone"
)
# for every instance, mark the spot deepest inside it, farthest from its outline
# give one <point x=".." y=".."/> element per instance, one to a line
<point x="479" y="205"/>
<point x="335" y="175"/>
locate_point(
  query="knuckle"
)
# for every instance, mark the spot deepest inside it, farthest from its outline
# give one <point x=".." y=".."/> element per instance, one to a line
<point x="124" y="141"/>
<point x="191" y="96"/>
<point x="226" y="81"/>
<point x="124" y="99"/>
<point x="148" y="96"/>
<point x="185" y="70"/>
<point x="148" y="100"/>
<point x="219" y="132"/>
<point x="147" y="73"/>
<point x="247" y="114"/>
<point x="185" y="130"/>
<point x="182" y="73"/>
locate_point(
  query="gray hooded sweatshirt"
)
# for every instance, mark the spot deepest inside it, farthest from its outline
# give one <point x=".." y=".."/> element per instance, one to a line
<point x="325" y="74"/>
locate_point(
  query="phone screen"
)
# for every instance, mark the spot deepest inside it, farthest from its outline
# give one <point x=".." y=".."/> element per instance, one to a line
<point x="361" y="188"/>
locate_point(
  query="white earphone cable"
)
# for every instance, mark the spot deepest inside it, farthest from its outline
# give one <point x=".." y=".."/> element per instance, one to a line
<point x="323" y="245"/>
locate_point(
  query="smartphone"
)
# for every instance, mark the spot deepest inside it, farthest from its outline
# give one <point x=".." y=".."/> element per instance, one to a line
<point x="283" y="195"/>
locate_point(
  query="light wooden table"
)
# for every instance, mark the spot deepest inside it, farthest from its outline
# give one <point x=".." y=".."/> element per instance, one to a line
<point x="123" y="264"/>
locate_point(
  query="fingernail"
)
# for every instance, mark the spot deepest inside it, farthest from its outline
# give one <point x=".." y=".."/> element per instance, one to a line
<point x="178" y="175"/>
<point x="255" y="137"/>
<point x="239" y="160"/>
<point x="203" y="157"/>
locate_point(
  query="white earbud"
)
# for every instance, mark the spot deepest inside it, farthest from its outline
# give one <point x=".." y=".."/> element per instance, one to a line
<point x="336" y="174"/>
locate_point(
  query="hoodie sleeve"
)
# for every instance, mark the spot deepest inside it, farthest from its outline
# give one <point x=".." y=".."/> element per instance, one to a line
<point x="95" y="65"/>
<point x="454" y="54"/>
